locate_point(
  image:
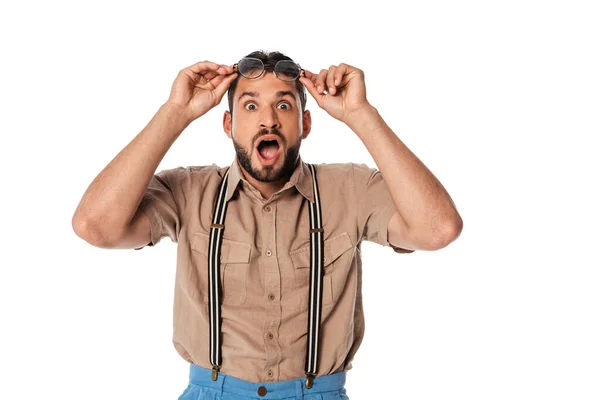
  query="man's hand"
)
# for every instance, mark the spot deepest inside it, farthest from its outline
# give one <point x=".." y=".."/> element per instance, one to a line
<point x="339" y="90"/>
<point x="200" y="87"/>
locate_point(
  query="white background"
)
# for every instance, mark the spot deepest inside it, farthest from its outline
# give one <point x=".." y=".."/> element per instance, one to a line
<point x="499" y="99"/>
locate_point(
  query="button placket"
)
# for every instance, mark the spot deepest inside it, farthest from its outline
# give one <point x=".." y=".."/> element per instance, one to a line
<point x="272" y="286"/>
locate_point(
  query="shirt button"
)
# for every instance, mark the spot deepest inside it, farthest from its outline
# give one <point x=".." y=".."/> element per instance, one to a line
<point x="268" y="253"/>
<point x="262" y="391"/>
<point x="271" y="296"/>
<point x="269" y="336"/>
<point x="269" y="374"/>
<point x="268" y="208"/>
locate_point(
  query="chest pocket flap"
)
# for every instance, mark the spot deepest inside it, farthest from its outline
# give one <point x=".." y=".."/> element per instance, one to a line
<point x="234" y="262"/>
<point x="231" y="251"/>
<point x="334" y="276"/>
<point x="333" y="248"/>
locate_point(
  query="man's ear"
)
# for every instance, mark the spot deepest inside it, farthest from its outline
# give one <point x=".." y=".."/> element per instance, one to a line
<point x="306" y="124"/>
<point x="227" y="123"/>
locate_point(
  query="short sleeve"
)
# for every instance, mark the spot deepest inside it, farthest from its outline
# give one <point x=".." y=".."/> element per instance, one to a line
<point x="160" y="205"/>
<point x="375" y="206"/>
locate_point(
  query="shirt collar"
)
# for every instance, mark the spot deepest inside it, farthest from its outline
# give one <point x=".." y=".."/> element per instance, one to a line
<point x="301" y="178"/>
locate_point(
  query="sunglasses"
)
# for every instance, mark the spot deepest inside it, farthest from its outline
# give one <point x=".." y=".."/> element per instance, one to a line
<point x="252" y="68"/>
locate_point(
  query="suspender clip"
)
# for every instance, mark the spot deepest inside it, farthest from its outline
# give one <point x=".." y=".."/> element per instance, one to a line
<point x="215" y="372"/>
<point x="217" y="226"/>
<point x="309" y="380"/>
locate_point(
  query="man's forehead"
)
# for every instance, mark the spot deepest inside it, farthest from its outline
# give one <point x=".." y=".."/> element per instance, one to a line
<point x="266" y="94"/>
<point x="265" y="88"/>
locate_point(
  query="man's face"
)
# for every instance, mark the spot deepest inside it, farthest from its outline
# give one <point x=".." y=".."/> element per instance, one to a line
<point x="267" y="106"/>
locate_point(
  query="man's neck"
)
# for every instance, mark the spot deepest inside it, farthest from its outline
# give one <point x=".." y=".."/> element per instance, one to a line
<point x="266" y="189"/>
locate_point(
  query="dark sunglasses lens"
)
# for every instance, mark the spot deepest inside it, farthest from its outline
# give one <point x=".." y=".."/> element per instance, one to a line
<point x="250" y="67"/>
<point x="287" y="70"/>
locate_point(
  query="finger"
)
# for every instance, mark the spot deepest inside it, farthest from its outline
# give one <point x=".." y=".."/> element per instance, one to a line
<point x="214" y="82"/>
<point x="311" y="77"/>
<point x="224" y="85"/>
<point x="312" y="89"/>
<point x="205" y="66"/>
<point x="227" y="69"/>
<point x="210" y="75"/>
<point x="320" y="82"/>
<point x="329" y="79"/>
<point x="224" y="70"/>
<point x="309" y="74"/>
<point x="340" y="73"/>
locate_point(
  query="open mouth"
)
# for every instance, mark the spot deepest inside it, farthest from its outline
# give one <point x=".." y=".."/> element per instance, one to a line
<point x="268" y="148"/>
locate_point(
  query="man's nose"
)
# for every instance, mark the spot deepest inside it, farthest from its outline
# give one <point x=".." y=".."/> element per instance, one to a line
<point x="269" y="119"/>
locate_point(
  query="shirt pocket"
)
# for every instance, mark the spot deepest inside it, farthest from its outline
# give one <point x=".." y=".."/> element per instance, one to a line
<point x="235" y="260"/>
<point x="337" y="252"/>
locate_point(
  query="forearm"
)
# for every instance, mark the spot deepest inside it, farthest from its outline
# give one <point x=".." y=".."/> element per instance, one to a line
<point x="420" y="198"/>
<point x="112" y="199"/>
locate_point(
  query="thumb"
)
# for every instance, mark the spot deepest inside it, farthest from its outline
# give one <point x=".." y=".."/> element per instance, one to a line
<point x="223" y="86"/>
<point x="312" y="89"/>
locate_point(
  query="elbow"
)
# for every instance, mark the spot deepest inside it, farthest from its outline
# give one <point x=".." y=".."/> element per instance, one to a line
<point x="88" y="231"/>
<point x="447" y="234"/>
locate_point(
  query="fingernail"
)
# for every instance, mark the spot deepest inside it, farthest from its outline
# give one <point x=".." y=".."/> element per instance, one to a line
<point x="320" y="88"/>
<point x="331" y="89"/>
<point x="337" y="81"/>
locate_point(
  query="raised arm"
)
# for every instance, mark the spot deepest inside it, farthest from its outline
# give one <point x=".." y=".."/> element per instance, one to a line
<point x="108" y="215"/>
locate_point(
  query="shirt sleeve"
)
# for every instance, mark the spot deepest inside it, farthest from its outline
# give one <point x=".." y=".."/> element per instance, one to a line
<point x="160" y="205"/>
<point x="375" y="206"/>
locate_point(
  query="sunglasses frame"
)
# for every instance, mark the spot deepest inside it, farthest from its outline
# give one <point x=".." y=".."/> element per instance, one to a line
<point x="300" y="70"/>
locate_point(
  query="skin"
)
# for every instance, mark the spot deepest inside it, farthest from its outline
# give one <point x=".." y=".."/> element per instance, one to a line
<point x="108" y="214"/>
<point x="426" y="217"/>
<point x="266" y="113"/>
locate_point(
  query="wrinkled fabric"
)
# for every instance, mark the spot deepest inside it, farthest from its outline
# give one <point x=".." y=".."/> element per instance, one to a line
<point x="264" y="264"/>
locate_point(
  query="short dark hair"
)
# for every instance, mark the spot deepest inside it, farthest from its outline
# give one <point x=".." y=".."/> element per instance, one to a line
<point x="269" y="59"/>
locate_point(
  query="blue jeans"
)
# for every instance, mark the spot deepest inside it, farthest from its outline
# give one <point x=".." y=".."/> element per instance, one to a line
<point x="202" y="387"/>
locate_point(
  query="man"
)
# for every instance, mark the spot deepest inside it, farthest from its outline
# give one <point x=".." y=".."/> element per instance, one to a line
<point x="268" y="281"/>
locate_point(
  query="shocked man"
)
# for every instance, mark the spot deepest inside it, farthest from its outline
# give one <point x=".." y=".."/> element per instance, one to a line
<point x="268" y="299"/>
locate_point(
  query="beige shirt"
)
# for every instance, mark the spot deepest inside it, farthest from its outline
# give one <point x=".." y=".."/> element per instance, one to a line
<point x="265" y="264"/>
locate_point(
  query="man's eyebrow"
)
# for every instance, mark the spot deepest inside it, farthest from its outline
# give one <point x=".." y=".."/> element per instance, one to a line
<point x="279" y="94"/>
<point x="282" y="93"/>
<point x="251" y="94"/>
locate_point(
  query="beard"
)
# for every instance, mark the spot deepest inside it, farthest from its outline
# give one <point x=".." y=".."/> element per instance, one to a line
<point x="269" y="173"/>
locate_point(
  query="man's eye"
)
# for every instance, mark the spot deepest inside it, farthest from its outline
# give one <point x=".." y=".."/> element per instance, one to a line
<point x="287" y="106"/>
<point x="247" y="106"/>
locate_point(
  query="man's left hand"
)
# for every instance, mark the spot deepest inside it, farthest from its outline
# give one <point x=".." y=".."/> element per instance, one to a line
<point x="339" y="90"/>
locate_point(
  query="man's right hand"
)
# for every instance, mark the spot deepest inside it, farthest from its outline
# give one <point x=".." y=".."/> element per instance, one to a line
<point x="200" y="87"/>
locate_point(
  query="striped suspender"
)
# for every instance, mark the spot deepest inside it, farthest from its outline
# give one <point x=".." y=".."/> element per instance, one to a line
<point x="316" y="283"/>
<point x="315" y="289"/>
<point x="214" y="290"/>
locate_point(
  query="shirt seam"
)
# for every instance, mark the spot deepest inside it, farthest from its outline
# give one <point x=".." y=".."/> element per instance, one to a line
<point x="146" y="204"/>
<point x="177" y="210"/>
<point x="383" y="229"/>
<point x="356" y="202"/>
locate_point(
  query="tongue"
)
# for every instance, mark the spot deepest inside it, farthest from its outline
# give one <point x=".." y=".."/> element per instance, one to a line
<point x="268" y="151"/>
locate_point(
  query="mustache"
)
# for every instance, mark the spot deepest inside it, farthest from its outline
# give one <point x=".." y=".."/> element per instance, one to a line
<point x="273" y="131"/>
